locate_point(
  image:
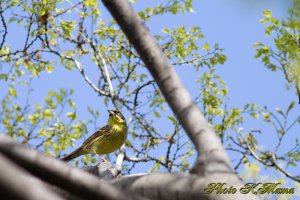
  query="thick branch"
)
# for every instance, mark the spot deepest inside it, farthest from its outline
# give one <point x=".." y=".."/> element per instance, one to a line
<point x="60" y="174"/>
<point x="181" y="186"/>
<point x="212" y="156"/>
<point x="16" y="183"/>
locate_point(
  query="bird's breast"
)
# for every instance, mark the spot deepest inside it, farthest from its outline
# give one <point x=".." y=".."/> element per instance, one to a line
<point x="113" y="141"/>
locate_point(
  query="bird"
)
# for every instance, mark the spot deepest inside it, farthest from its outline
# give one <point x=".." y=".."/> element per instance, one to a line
<point x="106" y="140"/>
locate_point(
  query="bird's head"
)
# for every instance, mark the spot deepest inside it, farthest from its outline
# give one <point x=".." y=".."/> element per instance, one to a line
<point x="116" y="117"/>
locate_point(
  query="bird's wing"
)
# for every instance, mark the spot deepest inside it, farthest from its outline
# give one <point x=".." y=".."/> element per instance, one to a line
<point x="97" y="135"/>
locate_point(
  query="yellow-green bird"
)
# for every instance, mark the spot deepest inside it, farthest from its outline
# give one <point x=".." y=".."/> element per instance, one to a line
<point x="106" y="140"/>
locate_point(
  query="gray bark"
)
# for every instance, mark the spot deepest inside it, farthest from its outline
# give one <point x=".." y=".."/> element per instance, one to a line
<point x="16" y="183"/>
<point x="58" y="173"/>
<point x="180" y="186"/>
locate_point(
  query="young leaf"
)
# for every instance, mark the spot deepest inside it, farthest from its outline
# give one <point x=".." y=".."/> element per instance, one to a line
<point x="290" y="107"/>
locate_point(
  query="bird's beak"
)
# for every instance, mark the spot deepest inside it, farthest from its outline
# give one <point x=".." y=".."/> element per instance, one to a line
<point x="111" y="112"/>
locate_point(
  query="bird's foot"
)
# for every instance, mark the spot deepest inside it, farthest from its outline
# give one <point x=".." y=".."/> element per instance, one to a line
<point x="103" y="159"/>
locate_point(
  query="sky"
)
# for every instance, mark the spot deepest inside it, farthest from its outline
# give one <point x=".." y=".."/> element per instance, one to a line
<point x="234" y="25"/>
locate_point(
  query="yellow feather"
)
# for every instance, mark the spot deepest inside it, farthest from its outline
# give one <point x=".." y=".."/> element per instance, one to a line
<point x="106" y="140"/>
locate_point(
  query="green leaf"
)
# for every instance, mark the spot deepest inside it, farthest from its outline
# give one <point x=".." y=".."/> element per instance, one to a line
<point x="33" y="118"/>
<point x="157" y="166"/>
<point x="30" y="10"/>
<point x="172" y="119"/>
<point x="157" y="114"/>
<point x="141" y="14"/>
<point x="280" y="131"/>
<point x="268" y="30"/>
<point x="262" y="21"/>
<point x="266" y="116"/>
<point x="166" y="30"/>
<point x="71" y="103"/>
<point x="48" y="114"/>
<point x="257" y="44"/>
<point x="71" y="115"/>
<point x="271" y="67"/>
<point x="246" y="106"/>
<point x="50" y="68"/>
<point x="254" y="115"/>
<point x="12" y="92"/>
<point x="292" y="163"/>
<point x="279" y="111"/>
<point x="67" y="27"/>
<point x="267" y="13"/>
<point x="222" y="58"/>
<point x="126" y="88"/>
<point x="69" y="65"/>
<point x="290" y="107"/>
<point x="206" y="46"/>
<point x="133" y="135"/>
<point x="91" y="3"/>
<point x="213" y="61"/>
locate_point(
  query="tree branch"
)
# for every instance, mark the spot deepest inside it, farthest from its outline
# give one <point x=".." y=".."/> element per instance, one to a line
<point x="277" y="166"/>
<point x="60" y="174"/>
<point x="178" y="186"/>
<point x="16" y="183"/>
<point x="79" y="184"/>
<point x="212" y="156"/>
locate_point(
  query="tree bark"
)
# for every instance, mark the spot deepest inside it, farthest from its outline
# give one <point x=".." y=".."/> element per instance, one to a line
<point x="16" y="183"/>
<point x="58" y="173"/>
<point x="163" y="186"/>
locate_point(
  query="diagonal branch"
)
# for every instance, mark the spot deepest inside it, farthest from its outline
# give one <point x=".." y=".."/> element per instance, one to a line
<point x="16" y="183"/>
<point x="274" y="161"/>
<point x="103" y="65"/>
<point x="86" y="78"/>
<point x="212" y="156"/>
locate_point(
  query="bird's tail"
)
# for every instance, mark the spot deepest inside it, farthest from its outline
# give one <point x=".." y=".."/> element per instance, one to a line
<point x="74" y="154"/>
